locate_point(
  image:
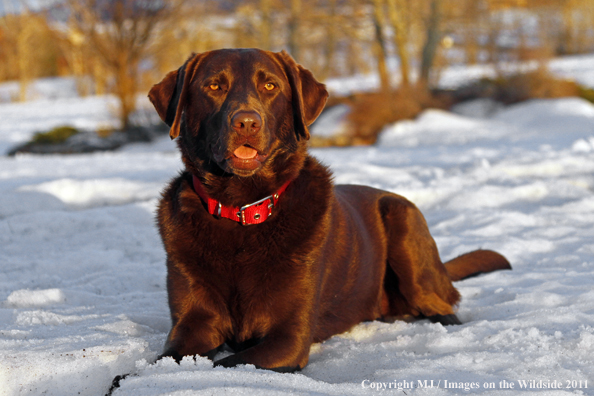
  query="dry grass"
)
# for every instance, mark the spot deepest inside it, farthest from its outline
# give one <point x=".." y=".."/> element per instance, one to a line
<point x="370" y="112"/>
<point x="538" y="84"/>
<point x="515" y="88"/>
<point x="55" y="136"/>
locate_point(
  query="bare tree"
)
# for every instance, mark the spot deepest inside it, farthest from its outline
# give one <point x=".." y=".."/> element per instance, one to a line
<point x="27" y="49"/>
<point x="119" y="33"/>
<point x="193" y="26"/>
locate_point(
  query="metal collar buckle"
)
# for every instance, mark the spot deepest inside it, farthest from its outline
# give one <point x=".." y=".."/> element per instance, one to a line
<point x="241" y="213"/>
<point x="259" y="212"/>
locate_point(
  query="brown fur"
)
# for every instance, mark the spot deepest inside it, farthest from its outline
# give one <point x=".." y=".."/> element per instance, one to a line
<point x="328" y="258"/>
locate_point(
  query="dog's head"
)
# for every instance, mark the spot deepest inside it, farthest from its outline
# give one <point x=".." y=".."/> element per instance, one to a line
<point x="238" y="111"/>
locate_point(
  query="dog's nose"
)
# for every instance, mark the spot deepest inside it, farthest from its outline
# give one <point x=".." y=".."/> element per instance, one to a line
<point x="246" y="122"/>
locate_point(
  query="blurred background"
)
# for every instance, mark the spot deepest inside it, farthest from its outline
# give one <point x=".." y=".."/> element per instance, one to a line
<point x="390" y="56"/>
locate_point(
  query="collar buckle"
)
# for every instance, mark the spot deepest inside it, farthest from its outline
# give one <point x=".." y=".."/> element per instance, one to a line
<point x="250" y="214"/>
<point x="258" y="215"/>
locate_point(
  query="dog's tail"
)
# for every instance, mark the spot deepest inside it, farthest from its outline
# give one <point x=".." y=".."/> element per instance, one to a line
<point x="475" y="263"/>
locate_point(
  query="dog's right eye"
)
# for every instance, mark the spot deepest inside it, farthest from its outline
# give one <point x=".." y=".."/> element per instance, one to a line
<point x="214" y="87"/>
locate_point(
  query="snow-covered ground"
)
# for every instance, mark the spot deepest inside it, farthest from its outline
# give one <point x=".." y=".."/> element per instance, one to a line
<point x="82" y="272"/>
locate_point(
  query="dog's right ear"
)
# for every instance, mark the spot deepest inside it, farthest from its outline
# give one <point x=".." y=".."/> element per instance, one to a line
<point x="169" y="95"/>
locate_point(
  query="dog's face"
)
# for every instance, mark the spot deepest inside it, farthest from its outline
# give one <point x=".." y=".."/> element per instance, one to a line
<point x="236" y="110"/>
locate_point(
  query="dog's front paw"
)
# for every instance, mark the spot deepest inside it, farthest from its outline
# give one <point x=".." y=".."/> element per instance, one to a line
<point x="445" y="320"/>
<point x="172" y="354"/>
<point x="236" y="360"/>
<point x="230" y="361"/>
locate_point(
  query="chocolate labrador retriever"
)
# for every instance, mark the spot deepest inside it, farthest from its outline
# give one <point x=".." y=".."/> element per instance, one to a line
<point x="264" y="253"/>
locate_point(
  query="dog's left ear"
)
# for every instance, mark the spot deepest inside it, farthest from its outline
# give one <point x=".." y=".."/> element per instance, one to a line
<point x="308" y="94"/>
<point x="169" y="96"/>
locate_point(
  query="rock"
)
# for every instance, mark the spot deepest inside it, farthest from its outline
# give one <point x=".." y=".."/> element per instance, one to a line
<point x="88" y="142"/>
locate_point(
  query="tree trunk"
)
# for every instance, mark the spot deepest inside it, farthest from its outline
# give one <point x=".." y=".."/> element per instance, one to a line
<point x="24" y="55"/>
<point x="379" y="46"/>
<point x="126" y="88"/>
<point x="432" y="43"/>
<point x="330" y="42"/>
<point x="294" y="25"/>
<point x="395" y="13"/>
<point x="266" y="24"/>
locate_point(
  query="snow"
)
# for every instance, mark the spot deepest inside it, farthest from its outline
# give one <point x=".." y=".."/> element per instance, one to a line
<point x="333" y="123"/>
<point x="82" y="285"/>
<point x="18" y="125"/>
<point x="43" y="88"/>
<point x="56" y="103"/>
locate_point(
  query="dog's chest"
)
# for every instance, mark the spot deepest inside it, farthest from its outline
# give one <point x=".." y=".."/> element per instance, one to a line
<point x="258" y="292"/>
<point x="251" y="273"/>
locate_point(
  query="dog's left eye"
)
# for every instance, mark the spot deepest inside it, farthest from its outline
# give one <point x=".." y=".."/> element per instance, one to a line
<point x="269" y="86"/>
<point x="214" y="87"/>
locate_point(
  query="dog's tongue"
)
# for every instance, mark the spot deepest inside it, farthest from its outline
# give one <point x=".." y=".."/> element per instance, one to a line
<point x="245" y="152"/>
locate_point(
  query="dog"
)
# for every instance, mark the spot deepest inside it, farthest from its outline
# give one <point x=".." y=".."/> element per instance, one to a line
<point x="265" y="254"/>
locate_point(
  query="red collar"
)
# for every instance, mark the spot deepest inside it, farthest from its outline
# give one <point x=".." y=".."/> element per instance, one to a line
<point x="254" y="213"/>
